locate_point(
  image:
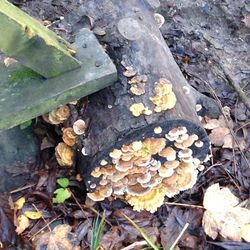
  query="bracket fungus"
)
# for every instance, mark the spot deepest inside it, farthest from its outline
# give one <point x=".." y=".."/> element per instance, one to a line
<point x="69" y="136"/>
<point x="146" y="171"/>
<point x="64" y="155"/>
<point x="58" y="115"/>
<point x="164" y="98"/>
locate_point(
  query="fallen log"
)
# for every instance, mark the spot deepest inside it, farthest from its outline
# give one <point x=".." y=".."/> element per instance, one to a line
<point x="144" y="139"/>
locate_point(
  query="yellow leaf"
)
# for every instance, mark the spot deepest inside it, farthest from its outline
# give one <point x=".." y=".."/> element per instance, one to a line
<point x="245" y="232"/>
<point x="19" y="203"/>
<point x="22" y="223"/>
<point x="33" y="215"/>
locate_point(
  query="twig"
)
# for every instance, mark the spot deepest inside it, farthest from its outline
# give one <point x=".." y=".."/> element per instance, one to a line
<point x="180" y="235"/>
<point x="135" y="244"/>
<point x="214" y="165"/>
<point x="226" y="119"/>
<point x="183" y="205"/>
<point x="47" y="225"/>
<point x="22" y="188"/>
<point x="79" y="205"/>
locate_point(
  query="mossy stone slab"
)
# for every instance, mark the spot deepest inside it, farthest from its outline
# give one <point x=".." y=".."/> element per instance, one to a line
<point x="35" y="46"/>
<point x="25" y="95"/>
<point x="19" y="150"/>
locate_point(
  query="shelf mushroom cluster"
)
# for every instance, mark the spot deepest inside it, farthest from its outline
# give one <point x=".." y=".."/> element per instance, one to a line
<point x="146" y="171"/>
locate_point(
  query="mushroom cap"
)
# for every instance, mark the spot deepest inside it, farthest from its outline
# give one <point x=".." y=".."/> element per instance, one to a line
<point x="155" y="181"/>
<point x="169" y="153"/>
<point x="59" y="115"/>
<point x="187" y="180"/>
<point x="97" y="172"/>
<point x="109" y="170"/>
<point x="171" y="164"/>
<point x="137" y="109"/>
<point x="160" y="20"/>
<point x="189" y="141"/>
<point x="115" y="154"/>
<point x="165" y="172"/>
<point x="64" y="155"/>
<point x="124" y="166"/>
<point x="199" y="144"/>
<point x="127" y="149"/>
<point x="187" y="152"/>
<point x="154" y="145"/>
<point x="138" y="89"/>
<point x="137" y="190"/>
<point x="149" y="201"/>
<point x="95" y="196"/>
<point x="144" y="178"/>
<point x="137" y="145"/>
<point x="79" y="127"/>
<point x="157" y="130"/>
<point x="130" y="71"/>
<point x="138" y="79"/>
<point x="106" y="191"/>
<point x="103" y="162"/>
<point x="69" y="136"/>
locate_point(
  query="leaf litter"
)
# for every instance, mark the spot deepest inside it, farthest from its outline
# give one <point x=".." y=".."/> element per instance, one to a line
<point x="68" y="225"/>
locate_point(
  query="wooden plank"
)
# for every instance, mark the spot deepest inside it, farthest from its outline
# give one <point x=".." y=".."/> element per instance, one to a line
<point x="25" y="95"/>
<point x="27" y="40"/>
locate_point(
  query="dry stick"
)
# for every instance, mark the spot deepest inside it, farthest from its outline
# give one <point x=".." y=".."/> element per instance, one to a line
<point x="39" y="231"/>
<point x="214" y="165"/>
<point x="47" y="225"/>
<point x="135" y="244"/>
<point x="79" y="205"/>
<point x="22" y="188"/>
<point x="180" y="235"/>
<point x="183" y="205"/>
<point x="242" y="126"/>
<point x="226" y="119"/>
<point x="91" y="208"/>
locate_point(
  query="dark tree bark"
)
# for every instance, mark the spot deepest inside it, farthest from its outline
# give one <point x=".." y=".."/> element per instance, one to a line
<point x="134" y="39"/>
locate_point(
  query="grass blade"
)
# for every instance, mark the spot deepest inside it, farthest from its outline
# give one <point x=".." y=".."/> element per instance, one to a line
<point x="143" y="234"/>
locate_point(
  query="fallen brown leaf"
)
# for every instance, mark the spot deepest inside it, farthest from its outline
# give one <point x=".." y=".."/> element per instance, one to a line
<point x="60" y="238"/>
<point x="22" y="223"/>
<point x="223" y="216"/>
<point x="217" y="136"/>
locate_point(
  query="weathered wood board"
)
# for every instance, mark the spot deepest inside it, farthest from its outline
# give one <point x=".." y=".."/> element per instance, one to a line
<point x="35" y="46"/>
<point x="25" y="95"/>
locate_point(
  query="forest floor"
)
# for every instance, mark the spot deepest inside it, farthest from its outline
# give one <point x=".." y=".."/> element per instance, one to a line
<point x="210" y="41"/>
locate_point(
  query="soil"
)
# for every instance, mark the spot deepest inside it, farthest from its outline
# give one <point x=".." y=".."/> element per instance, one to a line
<point x="210" y="41"/>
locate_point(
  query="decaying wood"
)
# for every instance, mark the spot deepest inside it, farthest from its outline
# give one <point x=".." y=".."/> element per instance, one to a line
<point x="134" y="39"/>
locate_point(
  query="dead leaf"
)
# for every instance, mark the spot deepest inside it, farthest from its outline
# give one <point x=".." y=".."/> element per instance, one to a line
<point x="113" y="238"/>
<point x="220" y="133"/>
<point x="217" y="136"/>
<point x="22" y="223"/>
<point x="219" y="199"/>
<point x="33" y="215"/>
<point x="19" y="203"/>
<point x="223" y="215"/>
<point x="60" y="238"/>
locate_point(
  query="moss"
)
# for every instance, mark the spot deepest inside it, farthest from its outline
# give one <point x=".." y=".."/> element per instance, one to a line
<point x="22" y="74"/>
